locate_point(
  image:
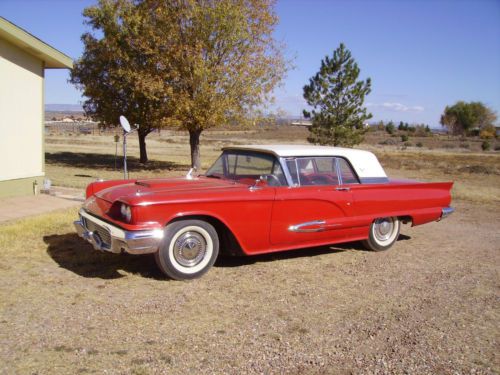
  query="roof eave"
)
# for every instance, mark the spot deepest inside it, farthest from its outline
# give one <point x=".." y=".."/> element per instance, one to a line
<point x="53" y="58"/>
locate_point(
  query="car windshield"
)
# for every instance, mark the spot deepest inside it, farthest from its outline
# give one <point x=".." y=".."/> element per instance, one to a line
<point x="246" y="167"/>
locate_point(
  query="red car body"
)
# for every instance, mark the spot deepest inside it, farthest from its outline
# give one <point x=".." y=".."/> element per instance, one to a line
<point x="255" y="216"/>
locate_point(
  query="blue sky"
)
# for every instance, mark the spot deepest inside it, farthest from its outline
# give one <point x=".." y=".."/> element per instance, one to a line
<point x="421" y="55"/>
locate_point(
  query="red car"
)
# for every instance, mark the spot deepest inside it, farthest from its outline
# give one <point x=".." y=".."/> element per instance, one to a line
<point x="255" y="200"/>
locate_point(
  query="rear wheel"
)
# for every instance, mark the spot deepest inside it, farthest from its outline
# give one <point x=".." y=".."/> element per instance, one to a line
<point x="383" y="233"/>
<point x="188" y="250"/>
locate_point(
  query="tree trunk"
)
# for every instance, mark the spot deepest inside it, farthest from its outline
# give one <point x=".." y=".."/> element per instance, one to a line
<point x="194" y="142"/>
<point x="142" y="147"/>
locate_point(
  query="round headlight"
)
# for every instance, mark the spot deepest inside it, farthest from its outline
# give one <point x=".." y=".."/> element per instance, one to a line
<point x="126" y="212"/>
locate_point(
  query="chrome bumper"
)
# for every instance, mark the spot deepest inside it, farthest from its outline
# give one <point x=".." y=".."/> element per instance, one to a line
<point x="445" y="212"/>
<point x="106" y="237"/>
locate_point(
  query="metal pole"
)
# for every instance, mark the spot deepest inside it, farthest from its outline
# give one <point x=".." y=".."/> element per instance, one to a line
<point x="125" y="173"/>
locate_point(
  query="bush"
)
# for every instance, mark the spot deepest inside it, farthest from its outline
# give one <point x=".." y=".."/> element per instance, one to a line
<point x="390" y="128"/>
<point x="486" y="145"/>
<point x="408" y="144"/>
<point x="404" y="138"/>
<point x="464" y="145"/>
<point x="488" y="132"/>
<point x="497" y="148"/>
<point x="419" y="144"/>
<point x="388" y="142"/>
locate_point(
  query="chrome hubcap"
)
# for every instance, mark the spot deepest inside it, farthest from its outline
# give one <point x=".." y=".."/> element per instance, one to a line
<point x="189" y="249"/>
<point x="383" y="229"/>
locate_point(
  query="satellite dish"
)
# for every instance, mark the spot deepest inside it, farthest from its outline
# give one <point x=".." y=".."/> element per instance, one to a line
<point x="125" y="124"/>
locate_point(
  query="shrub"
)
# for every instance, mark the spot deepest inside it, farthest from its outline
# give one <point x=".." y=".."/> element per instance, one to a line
<point x="464" y="145"/>
<point x="388" y="142"/>
<point x="487" y="132"/>
<point x="497" y="148"/>
<point x="486" y="145"/>
<point x="404" y="138"/>
<point x="419" y="144"/>
<point x="408" y="144"/>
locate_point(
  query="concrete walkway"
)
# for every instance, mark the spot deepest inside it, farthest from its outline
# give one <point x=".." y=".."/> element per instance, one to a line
<point x="20" y="207"/>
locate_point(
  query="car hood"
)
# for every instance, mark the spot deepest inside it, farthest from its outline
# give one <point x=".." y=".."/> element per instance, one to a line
<point x="167" y="189"/>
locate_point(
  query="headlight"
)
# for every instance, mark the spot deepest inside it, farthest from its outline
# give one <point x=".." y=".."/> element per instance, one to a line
<point x="126" y="212"/>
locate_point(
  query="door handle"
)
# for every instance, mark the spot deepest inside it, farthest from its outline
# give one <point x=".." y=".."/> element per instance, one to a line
<point x="343" y="189"/>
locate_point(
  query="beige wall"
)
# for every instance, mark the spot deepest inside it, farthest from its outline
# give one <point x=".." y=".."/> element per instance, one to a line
<point x="21" y="111"/>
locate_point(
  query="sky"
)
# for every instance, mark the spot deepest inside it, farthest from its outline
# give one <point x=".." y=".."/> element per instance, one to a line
<point x="421" y="55"/>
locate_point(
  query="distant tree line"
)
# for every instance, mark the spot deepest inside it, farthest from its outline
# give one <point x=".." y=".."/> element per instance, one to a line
<point x="420" y="130"/>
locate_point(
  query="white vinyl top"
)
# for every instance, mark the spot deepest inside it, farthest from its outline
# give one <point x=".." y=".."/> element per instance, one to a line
<point x="364" y="162"/>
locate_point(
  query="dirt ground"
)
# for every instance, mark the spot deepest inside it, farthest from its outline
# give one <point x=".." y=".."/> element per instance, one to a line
<point x="429" y="305"/>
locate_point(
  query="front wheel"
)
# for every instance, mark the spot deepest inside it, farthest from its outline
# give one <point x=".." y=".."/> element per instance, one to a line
<point x="188" y="250"/>
<point x="383" y="233"/>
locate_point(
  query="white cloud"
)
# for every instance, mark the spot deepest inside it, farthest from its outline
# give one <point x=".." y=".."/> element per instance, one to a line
<point x="396" y="107"/>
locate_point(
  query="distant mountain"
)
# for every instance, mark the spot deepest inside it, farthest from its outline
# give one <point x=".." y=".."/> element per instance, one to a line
<point x="63" y="108"/>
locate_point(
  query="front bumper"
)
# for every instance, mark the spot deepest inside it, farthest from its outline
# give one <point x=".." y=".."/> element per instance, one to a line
<point x="107" y="237"/>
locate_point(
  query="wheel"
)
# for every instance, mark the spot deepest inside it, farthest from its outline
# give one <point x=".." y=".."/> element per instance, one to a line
<point x="383" y="233"/>
<point x="188" y="250"/>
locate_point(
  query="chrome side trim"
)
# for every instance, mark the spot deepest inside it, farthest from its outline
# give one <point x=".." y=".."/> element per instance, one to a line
<point x="320" y="225"/>
<point x="299" y="227"/>
<point x="445" y="212"/>
<point x="132" y="242"/>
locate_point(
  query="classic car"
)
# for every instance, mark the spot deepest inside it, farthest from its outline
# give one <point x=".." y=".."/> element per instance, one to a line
<point x="255" y="200"/>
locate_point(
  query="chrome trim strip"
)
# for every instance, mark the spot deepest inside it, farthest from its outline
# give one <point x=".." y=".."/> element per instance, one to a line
<point x="339" y="171"/>
<point x="445" y="212"/>
<point x="298" y="227"/>
<point x="132" y="242"/>
<point x="286" y="171"/>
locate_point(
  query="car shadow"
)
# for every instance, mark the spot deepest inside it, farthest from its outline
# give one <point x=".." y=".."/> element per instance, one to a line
<point x="238" y="261"/>
<point x="70" y="252"/>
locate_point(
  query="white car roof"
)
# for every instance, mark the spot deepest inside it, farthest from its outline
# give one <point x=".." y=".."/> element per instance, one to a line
<point x="364" y="162"/>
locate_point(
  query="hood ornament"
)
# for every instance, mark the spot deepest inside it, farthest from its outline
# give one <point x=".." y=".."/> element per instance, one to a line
<point x="189" y="175"/>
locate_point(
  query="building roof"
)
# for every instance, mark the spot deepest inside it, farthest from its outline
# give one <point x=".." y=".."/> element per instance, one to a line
<point x="364" y="162"/>
<point x="34" y="46"/>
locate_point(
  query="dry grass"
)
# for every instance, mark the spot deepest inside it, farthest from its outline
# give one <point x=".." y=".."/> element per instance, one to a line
<point x="427" y="306"/>
<point x="75" y="161"/>
<point x="430" y="305"/>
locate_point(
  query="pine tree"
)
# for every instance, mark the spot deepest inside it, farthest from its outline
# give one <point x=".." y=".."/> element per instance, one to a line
<point x="337" y="98"/>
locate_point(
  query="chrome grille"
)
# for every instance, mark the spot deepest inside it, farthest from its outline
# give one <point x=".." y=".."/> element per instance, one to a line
<point x="103" y="233"/>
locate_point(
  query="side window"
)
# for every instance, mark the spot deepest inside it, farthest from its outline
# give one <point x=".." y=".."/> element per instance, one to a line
<point x="314" y="171"/>
<point x="348" y="175"/>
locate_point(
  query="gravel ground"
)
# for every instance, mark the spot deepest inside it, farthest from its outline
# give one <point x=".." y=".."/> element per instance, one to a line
<point x="430" y="305"/>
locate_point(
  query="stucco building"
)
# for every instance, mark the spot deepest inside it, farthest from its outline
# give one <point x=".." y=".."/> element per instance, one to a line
<point x="23" y="60"/>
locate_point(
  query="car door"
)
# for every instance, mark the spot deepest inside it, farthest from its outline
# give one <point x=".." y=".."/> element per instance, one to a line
<point x="316" y="209"/>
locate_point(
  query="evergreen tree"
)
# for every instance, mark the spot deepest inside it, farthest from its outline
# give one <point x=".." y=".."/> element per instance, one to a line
<point x="338" y="115"/>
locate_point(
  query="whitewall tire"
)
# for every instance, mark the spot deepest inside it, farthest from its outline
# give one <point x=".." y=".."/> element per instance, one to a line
<point x="384" y="232"/>
<point x="188" y="250"/>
